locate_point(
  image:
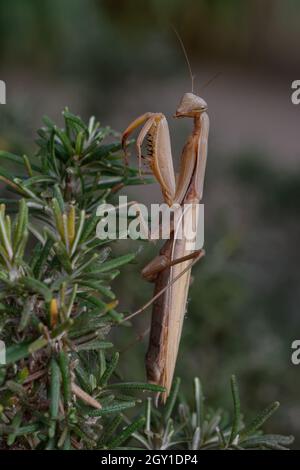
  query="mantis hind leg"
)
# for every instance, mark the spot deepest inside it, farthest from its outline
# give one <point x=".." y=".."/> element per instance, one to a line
<point x="163" y="261"/>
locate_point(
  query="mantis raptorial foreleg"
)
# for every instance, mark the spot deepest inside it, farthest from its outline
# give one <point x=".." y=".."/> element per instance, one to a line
<point x="159" y="150"/>
<point x="171" y="269"/>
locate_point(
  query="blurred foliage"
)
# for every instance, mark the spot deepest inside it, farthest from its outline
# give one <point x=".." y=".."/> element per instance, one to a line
<point x="277" y="190"/>
<point x="72" y="35"/>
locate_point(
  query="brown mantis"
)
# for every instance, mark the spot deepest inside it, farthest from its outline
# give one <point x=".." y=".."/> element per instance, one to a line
<point x="171" y="269"/>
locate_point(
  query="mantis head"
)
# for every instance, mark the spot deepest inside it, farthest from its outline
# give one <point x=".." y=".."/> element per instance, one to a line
<point x="190" y="105"/>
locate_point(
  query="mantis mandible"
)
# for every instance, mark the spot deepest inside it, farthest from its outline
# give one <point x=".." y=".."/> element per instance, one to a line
<point x="171" y="269"/>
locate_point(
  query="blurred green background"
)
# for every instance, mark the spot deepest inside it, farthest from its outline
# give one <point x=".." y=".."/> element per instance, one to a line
<point x="117" y="59"/>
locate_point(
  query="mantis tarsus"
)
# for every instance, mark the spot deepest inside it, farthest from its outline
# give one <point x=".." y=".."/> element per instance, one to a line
<point x="172" y="267"/>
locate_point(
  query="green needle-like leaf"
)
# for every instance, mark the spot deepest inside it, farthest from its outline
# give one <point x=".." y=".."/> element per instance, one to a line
<point x="237" y="409"/>
<point x="260" y="419"/>
<point x="126" y="433"/>
<point x="137" y="386"/>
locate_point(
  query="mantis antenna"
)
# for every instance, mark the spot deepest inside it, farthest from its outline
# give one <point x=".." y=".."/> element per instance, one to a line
<point x="185" y="55"/>
<point x="212" y="79"/>
<point x="189" y="64"/>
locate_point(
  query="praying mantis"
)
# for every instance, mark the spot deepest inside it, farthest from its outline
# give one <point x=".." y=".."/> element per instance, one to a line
<point x="171" y="269"/>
